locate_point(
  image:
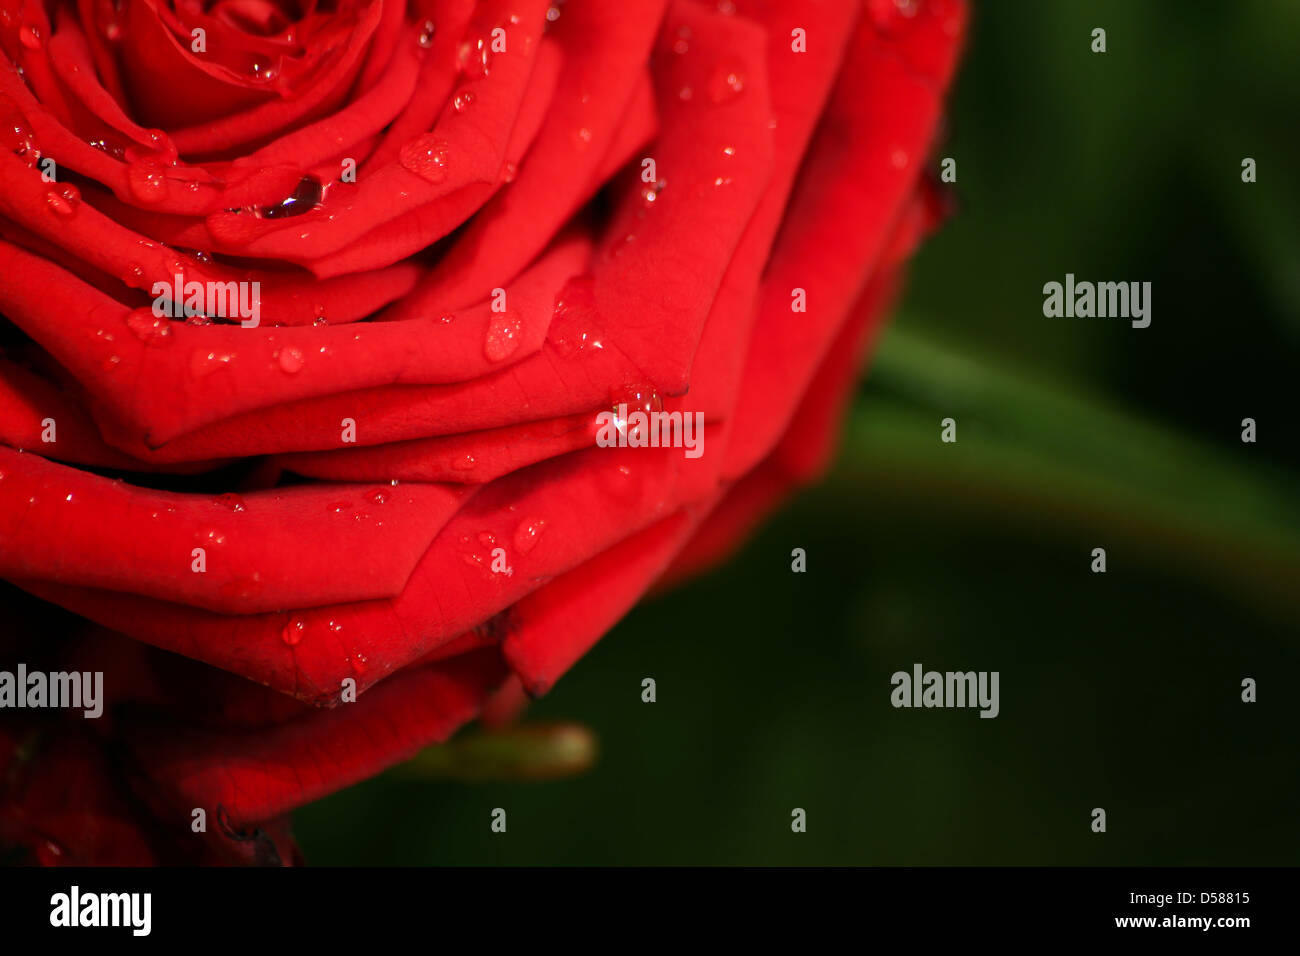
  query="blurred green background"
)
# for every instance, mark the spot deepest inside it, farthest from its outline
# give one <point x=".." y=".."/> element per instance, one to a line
<point x="1119" y="690"/>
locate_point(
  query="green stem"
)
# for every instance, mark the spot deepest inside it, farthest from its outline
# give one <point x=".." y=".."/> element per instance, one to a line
<point x="1035" y="454"/>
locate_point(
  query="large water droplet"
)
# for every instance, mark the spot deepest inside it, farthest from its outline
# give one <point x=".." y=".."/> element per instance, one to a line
<point x="425" y="37"/>
<point x="526" y="535"/>
<point x="463" y="100"/>
<point x="575" y="323"/>
<point x="153" y="330"/>
<point x="475" y="58"/>
<point x="305" y="197"/>
<point x="427" y="157"/>
<point x="64" y="201"/>
<point x="231" y="501"/>
<point x="148" y="180"/>
<point x="502" y="336"/>
<point x="637" y="398"/>
<point x="293" y="631"/>
<point x="290" y="359"/>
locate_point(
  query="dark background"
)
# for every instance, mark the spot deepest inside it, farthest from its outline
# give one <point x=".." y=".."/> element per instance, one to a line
<point x="1119" y="690"/>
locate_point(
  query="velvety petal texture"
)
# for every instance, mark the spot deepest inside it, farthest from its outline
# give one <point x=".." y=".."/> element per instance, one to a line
<point x="318" y="319"/>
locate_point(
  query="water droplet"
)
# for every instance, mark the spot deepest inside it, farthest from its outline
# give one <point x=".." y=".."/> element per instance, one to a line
<point x="215" y="537"/>
<point x="205" y="363"/>
<point x="475" y="58"/>
<point x="682" y="44"/>
<point x="509" y="172"/>
<point x="727" y="83"/>
<point x="552" y="13"/>
<point x="158" y="147"/>
<point x="290" y="359"/>
<point x="526" y="535"/>
<point x="463" y="463"/>
<point x="722" y="181"/>
<point x="575" y="321"/>
<point x="728" y="151"/>
<point x="305" y="197"/>
<point x="427" y="30"/>
<point x="30" y="37"/>
<point x="111" y="363"/>
<point x="359" y="663"/>
<point x="335" y="627"/>
<point x="148" y="180"/>
<point x="378" y="496"/>
<point x="584" y="136"/>
<point x="650" y="191"/>
<point x="153" y="330"/>
<point x="320" y="320"/>
<point x="463" y="100"/>
<point x="231" y="501"/>
<point x="426" y="156"/>
<point x="293" y="630"/>
<point x="637" y="398"/>
<point x="898" y="157"/>
<point x="65" y="201"/>
<point x="502" y="336"/>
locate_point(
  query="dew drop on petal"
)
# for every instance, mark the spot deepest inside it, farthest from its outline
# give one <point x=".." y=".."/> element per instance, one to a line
<point x="293" y="630"/>
<point x="475" y="58"/>
<point x="64" y="201"/>
<point x="502" y="336"/>
<point x="727" y="83"/>
<point x="147" y="180"/>
<point x="637" y="398"/>
<point x="526" y="535"/>
<point x="427" y="157"/>
<point x="290" y="359"/>
<point x="153" y="330"/>
<point x="427" y="30"/>
<point x="650" y="191"/>
<point x="463" y="100"/>
<point x="30" y="37"/>
<point x="204" y="363"/>
<point x="575" y="323"/>
<point x="463" y="463"/>
<point x="231" y="501"/>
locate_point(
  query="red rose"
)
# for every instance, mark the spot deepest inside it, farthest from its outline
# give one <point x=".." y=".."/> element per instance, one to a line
<point x="308" y="328"/>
